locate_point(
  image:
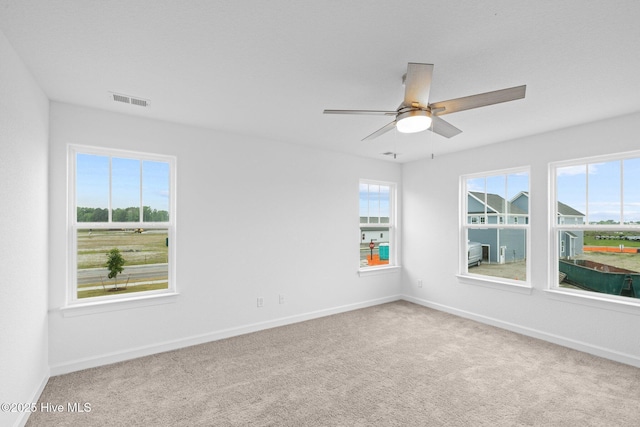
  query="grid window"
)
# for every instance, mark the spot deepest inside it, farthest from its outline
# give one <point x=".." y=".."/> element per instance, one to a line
<point x="377" y="224"/>
<point x="494" y="236"/>
<point x="596" y="226"/>
<point x="121" y="224"/>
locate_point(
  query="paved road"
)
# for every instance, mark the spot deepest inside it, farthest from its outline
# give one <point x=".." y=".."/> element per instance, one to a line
<point x="93" y="275"/>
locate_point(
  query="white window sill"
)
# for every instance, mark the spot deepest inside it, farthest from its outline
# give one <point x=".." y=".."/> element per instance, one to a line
<point x="597" y="300"/>
<point x="374" y="271"/>
<point x="82" y="309"/>
<point x="496" y="283"/>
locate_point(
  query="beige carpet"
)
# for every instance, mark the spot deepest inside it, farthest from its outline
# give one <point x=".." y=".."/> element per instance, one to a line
<point x="396" y="364"/>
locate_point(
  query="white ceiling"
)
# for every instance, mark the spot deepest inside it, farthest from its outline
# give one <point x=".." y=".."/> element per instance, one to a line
<point x="269" y="68"/>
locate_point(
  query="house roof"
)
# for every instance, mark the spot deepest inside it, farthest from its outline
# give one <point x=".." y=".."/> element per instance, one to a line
<point x="563" y="209"/>
<point x="568" y="210"/>
<point x="496" y="203"/>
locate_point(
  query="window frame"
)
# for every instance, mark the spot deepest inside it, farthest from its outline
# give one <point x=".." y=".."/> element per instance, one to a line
<point x="464" y="225"/>
<point x="593" y="298"/>
<point x="73" y="225"/>
<point x="392" y="225"/>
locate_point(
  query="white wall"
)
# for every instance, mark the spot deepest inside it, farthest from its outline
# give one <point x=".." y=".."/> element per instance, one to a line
<point x="24" y="115"/>
<point x="430" y="243"/>
<point x="245" y="210"/>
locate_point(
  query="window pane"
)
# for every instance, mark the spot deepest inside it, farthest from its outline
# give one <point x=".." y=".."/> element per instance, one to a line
<point x="125" y="190"/>
<point x="489" y="199"/>
<point x="602" y="261"/>
<point x="384" y="204"/>
<point x="516" y="184"/>
<point x="496" y="193"/>
<point x="631" y="196"/>
<point x="497" y="252"/>
<point x="92" y="188"/>
<point x="571" y="190"/>
<point x="145" y="254"/>
<point x="379" y="255"/>
<point x="604" y="193"/>
<point x="364" y="203"/>
<point x="476" y="200"/>
<point x="374" y="201"/>
<point x="376" y="224"/>
<point x="155" y="191"/>
<point x="476" y="184"/>
<point x="375" y="204"/>
<point x="518" y="197"/>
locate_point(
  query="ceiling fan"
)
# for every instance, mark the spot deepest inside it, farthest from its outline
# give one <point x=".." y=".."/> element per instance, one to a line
<point x="415" y="114"/>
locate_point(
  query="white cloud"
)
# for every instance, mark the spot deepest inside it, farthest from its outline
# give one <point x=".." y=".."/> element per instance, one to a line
<point x="574" y="170"/>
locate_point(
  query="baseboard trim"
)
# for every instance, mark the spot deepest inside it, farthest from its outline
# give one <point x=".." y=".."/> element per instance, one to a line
<point x="142" y="351"/>
<point x="24" y="416"/>
<point x="119" y="356"/>
<point x="616" y="356"/>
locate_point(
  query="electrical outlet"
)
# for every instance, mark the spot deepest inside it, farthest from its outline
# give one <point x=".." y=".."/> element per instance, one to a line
<point x="420" y="283"/>
<point x="260" y="302"/>
<point x="281" y="299"/>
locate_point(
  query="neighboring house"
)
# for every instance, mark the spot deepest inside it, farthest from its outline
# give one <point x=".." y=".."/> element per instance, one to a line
<point x="571" y="242"/>
<point x="374" y="229"/>
<point x="498" y="245"/>
<point x="521" y="200"/>
<point x="509" y="245"/>
<point x="498" y="210"/>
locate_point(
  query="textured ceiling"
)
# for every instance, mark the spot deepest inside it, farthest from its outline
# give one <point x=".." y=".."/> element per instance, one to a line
<point x="269" y="68"/>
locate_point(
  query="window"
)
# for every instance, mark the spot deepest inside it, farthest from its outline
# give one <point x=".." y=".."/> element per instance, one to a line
<point x="494" y="229"/>
<point x="377" y="224"/>
<point x="121" y="224"/>
<point x="596" y="226"/>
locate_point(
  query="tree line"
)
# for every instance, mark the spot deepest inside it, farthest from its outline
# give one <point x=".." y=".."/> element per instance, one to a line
<point x="130" y="214"/>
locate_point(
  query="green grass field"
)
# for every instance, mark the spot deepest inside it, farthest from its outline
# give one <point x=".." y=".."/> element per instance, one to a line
<point x="148" y="247"/>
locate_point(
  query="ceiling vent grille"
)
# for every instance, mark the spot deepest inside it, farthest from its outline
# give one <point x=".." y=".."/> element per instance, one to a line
<point x="126" y="99"/>
<point x="140" y="102"/>
<point x="121" y="98"/>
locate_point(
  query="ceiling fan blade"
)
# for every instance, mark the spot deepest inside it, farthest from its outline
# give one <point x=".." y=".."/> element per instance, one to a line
<point x="386" y="128"/>
<point x="476" y="101"/>
<point x="370" y="112"/>
<point x="442" y="127"/>
<point x="417" y="84"/>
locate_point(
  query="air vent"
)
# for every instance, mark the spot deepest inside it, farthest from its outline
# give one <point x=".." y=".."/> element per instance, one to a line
<point x="140" y="102"/>
<point x="130" y="99"/>
<point x="121" y="98"/>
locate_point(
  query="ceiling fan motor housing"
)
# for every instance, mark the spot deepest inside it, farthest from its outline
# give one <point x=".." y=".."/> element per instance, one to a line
<point x="413" y="121"/>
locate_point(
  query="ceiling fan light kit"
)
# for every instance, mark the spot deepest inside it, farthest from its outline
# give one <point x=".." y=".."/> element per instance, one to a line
<point x="413" y="121"/>
<point x="416" y="114"/>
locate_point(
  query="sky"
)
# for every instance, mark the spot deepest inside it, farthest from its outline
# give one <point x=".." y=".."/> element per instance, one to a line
<point x="92" y="182"/>
<point x="602" y="190"/>
<point x="374" y="200"/>
<point x="507" y="186"/>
